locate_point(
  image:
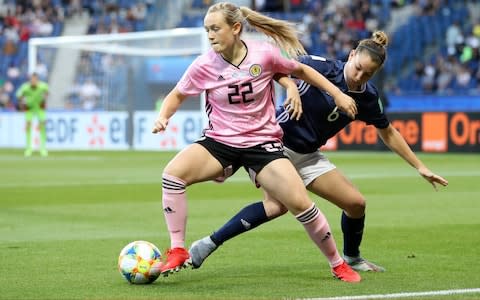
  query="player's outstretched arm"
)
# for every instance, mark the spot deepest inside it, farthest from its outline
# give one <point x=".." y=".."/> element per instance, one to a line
<point x="293" y="102"/>
<point x="344" y="102"/>
<point x="170" y="105"/>
<point x="431" y="177"/>
<point x="394" y="140"/>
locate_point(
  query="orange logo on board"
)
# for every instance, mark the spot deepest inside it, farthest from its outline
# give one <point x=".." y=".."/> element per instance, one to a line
<point x="434" y="132"/>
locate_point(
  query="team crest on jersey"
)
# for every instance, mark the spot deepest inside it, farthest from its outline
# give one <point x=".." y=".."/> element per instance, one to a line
<point x="255" y="70"/>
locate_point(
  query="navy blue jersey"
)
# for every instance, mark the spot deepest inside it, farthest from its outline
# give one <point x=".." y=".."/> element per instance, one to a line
<point x="321" y="119"/>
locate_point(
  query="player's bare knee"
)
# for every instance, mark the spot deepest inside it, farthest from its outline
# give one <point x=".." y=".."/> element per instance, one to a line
<point x="179" y="170"/>
<point x="274" y="209"/>
<point x="277" y="212"/>
<point x="283" y="210"/>
<point x="168" y="177"/>
<point x="299" y="204"/>
<point x="356" y="208"/>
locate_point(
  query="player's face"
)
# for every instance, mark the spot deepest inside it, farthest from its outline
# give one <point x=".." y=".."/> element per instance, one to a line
<point x="359" y="69"/>
<point x="220" y="34"/>
<point x="33" y="81"/>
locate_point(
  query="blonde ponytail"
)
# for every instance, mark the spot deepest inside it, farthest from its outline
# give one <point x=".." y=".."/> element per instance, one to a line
<point x="282" y="32"/>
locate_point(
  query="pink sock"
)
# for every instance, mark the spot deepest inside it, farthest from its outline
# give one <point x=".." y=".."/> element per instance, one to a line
<point x="174" y="202"/>
<point x="319" y="231"/>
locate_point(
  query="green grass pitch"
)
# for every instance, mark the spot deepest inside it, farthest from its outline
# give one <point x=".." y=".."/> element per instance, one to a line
<point x="65" y="218"/>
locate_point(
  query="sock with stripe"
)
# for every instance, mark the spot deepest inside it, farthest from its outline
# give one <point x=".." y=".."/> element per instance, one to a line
<point x="318" y="229"/>
<point x="352" y="234"/>
<point x="248" y="218"/>
<point x="174" y="202"/>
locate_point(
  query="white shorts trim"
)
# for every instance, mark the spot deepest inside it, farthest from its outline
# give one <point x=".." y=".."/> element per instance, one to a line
<point x="310" y="165"/>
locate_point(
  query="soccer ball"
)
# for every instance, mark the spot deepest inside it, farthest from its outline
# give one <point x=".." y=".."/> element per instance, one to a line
<point x="139" y="262"/>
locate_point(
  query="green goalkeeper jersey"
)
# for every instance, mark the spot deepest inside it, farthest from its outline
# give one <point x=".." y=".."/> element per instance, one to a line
<point x="33" y="96"/>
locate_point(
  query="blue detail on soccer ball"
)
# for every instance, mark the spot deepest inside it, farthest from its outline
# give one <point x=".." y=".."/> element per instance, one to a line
<point x="128" y="276"/>
<point x="131" y="251"/>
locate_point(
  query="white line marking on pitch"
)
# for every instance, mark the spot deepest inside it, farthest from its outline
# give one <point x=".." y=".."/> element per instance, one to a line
<point x="401" y="295"/>
<point x="236" y="178"/>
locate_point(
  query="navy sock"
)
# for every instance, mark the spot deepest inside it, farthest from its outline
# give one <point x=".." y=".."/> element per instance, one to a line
<point x="352" y="234"/>
<point x="248" y="218"/>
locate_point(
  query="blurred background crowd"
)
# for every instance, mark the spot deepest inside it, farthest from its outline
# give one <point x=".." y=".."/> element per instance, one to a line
<point x="433" y="49"/>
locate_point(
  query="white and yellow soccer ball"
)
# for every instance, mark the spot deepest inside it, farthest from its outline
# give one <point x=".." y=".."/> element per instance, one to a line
<point x="139" y="262"/>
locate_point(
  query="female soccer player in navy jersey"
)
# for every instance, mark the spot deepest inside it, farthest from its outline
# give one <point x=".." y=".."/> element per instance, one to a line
<point x="237" y="76"/>
<point x="302" y="139"/>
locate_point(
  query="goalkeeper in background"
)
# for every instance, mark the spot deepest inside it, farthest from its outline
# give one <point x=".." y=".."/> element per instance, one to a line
<point x="32" y="97"/>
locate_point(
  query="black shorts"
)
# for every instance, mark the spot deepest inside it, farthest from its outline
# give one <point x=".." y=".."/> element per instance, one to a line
<point x="253" y="159"/>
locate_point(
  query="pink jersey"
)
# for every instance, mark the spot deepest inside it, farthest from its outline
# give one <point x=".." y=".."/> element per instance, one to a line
<point x="239" y="100"/>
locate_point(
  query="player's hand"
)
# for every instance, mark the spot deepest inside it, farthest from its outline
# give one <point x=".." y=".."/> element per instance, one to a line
<point x="23" y="106"/>
<point x="43" y="105"/>
<point x="433" y="178"/>
<point x="160" y="125"/>
<point x="293" y="104"/>
<point x="346" y="104"/>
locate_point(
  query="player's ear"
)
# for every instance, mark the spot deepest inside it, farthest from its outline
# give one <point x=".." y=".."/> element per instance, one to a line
<point x="237" y="28"/>
<point x="352" y="54"/>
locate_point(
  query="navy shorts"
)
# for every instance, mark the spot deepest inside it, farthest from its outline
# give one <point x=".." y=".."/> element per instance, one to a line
<point x="253" y="159"/>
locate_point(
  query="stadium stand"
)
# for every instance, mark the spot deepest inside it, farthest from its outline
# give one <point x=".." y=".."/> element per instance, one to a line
<point x="434" y="44"/>
<point x="22" y="20"/>
<point x="332" y="28"/>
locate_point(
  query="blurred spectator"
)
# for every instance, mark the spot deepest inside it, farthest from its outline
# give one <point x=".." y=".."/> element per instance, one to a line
<point x="397" y="3"/>
<point x="476" y="29"/>
<point x="273" y="5"/>
<point x="445" y="74"/>
<point x="463" y="77"/>
<point x="42" y="70"/>
<point x="42" y="27"/>
<point x="137" y="12"/>
<point x="24" y="32"/>
<point x="114" y="27"/>
<point x="6" y="89"/>
<point x="73" y="7"/>
<point x="428" y="78"/>
<point x="11" y="39"/>
<point x="453" y="32"/>
<point x="21" y="20"/>
<point x="89" y="94"/>
<point x="419" y="69"/>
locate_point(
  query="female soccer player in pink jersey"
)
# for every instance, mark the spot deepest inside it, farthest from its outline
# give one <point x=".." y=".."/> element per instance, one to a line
<point x="303" y="138"/>
<point x="236" y="76"/>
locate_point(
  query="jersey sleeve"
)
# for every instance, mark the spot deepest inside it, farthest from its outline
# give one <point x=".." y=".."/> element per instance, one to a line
<point x="189" y="84"/>
<point x="45" y="88"/>
<point x="322" y="65"/>
<point x="375" y="112"/>
<point x="282" y="63"/>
